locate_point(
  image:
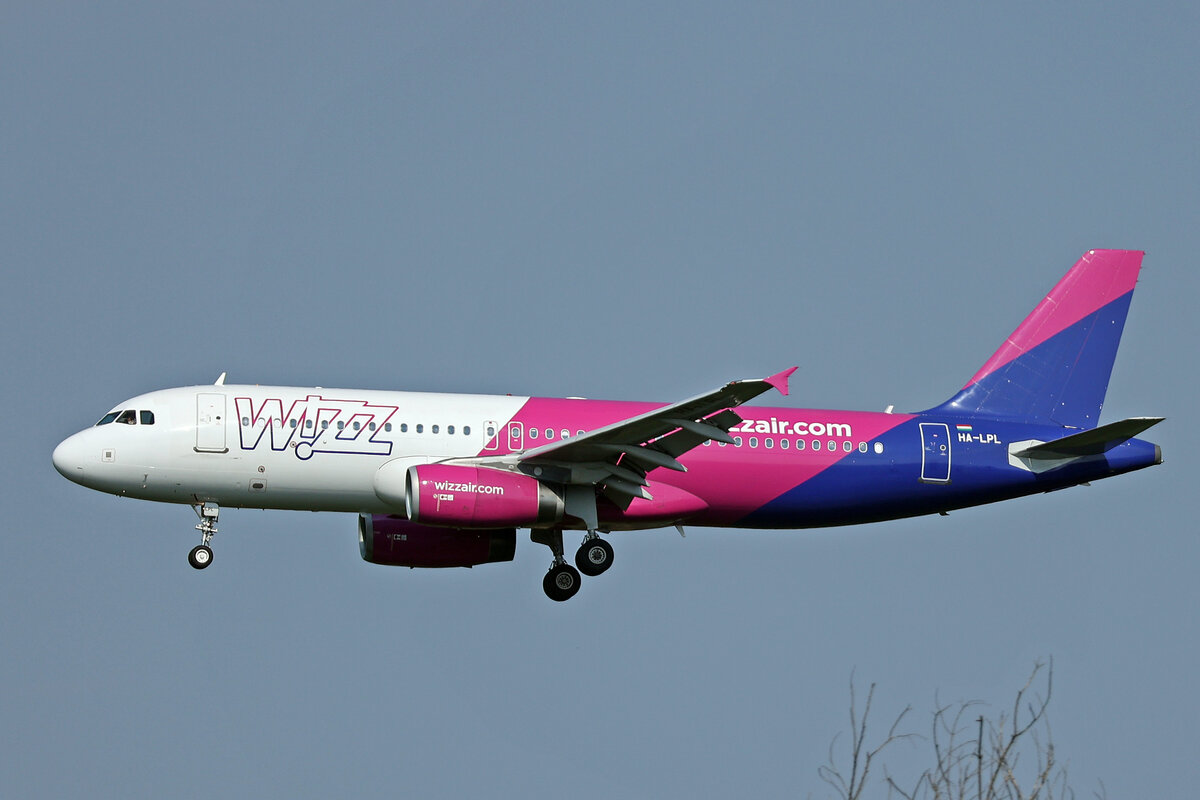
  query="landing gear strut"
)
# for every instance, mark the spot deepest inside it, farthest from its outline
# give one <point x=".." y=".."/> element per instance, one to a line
<point x="202" y="555"/>
<point x="562" y="580"/>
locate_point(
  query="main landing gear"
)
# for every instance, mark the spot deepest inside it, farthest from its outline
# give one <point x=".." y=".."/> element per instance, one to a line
<point x="562" y="580"/>
<point x="202" y="555"/>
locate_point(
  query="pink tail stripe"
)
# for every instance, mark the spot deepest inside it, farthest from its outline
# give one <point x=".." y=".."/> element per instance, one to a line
<point x="1098" y="278"/>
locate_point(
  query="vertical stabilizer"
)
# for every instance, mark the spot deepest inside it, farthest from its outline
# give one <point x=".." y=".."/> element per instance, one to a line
<point x="1054" y="368"/>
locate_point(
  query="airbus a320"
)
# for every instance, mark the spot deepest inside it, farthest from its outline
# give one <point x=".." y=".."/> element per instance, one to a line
<point x="445" y="480"/>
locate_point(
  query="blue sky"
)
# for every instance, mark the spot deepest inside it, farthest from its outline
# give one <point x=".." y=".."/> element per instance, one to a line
<point x="620" y="202"/>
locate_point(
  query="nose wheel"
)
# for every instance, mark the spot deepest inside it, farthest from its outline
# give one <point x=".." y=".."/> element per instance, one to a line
<point x="202" y="555"/>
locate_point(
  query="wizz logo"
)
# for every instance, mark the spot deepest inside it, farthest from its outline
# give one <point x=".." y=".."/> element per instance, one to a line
<point x="316" y="425"/>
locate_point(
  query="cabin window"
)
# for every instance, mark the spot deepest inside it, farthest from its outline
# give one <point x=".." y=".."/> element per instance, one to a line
<point x="847" y="447"/>
<point x="566" y="434"/>
<point x="308" y="424"/>
<point x="783" y="444"/>
<point x="737" y="441"/>
<point x="799" y="444"/>
<point x="533" y="433"/>
<point x="387" y="426"/>
<point x="467" y="430"/>
<point x="707" y="442"/>
<point x="862" y="447"/>
<point x="420" y="428"/>
<point x="754" y="441"/>
<point x="245" y="422"/>
<point x="292" y="423"/>
<point x="450" y="429"/>
<point x="491" y="431"/>
<point x="404" y="427"/>
<point x="324" y="424"/>
<point x="356" y="425"/>
<point x="549" y="433"/>
<point x="769" y="443"/>
<point x="370" y="426"/>
<point x="435" y="429"/>
<point x="879" y="448"/>
<point x="341" y="425"/>
<point x="831" y="445"/>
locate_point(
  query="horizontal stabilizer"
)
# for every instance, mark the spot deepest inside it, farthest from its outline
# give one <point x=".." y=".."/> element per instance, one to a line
<point x="1091" y="442"/>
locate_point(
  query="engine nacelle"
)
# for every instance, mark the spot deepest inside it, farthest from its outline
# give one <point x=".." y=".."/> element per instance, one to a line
<point x="396" y="542"/>
<point x="478" y="497"/>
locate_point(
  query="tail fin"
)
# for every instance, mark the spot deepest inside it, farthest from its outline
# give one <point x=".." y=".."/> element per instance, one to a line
<point x="1054" y="368"/>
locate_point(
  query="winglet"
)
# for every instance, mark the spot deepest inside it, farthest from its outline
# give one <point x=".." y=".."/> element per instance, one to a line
<point x="221" y="381"/>
<point x="780" y="380"/>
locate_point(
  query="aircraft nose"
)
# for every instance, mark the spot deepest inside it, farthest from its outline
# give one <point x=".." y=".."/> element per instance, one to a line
<point x="68" y="458"/>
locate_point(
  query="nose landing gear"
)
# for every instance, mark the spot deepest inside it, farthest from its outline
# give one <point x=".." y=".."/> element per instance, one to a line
<point x="202" y="555"/>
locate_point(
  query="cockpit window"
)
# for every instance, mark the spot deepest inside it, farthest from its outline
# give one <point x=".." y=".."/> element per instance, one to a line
<point x="129" y="417"/>
<point x="109" y="417"/>
<point x="147" y="417"/>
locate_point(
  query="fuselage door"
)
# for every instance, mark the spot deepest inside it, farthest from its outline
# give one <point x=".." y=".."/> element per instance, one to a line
<point x="516" y="436"/>
<point x="210" y="423"/>
<point x="935" y="452"/>
<point x="491" y="435"/>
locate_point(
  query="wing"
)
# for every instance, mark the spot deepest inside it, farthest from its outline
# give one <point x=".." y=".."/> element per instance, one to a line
<point x="617" y="457"/>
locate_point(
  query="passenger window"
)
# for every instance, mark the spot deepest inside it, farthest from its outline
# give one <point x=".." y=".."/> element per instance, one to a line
<point x="707" y="442"/>
<point x="387" y="426"/>
<point x="769" y="443"/>
<point x="566" y="434"/>
<point x="847" y="447"/>
<point x="341" y="425"/>
<point x="404" y="427"/>
<point x="450" y="429"/>
<point x="549" y="433"/>
<point x="862" y="447"/>
<point x="737" y="441"/>
<point x="308" y="424"/>
<point x="292" y="422"/>
<point x="754" y="441"/>
<point x="832" y="445"/>
<point x="129" y="417"/>
<point x="147" y="417"/>
<point x="783" y="444"/>
<point x="490" y="431"/>
<point x="436" y="429"/>
<point x="533" y="433"/>
<point x="324" y="424"/>
<point x="370" y="426"/>
<point x="799" y="444"/>
<point x="245" y="422"/>
<point x="879" y="448"/>
<point x="420" y="428"/>
<point x="356" y="425"/>
<point x="467" y="430"/>
<point x="109" y="417"/>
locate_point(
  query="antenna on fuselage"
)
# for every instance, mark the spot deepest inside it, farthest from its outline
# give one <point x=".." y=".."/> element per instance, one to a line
<point x="220" y="381"/>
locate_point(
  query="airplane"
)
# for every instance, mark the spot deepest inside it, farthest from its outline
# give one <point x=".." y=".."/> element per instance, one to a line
<point x="445" y="480"/>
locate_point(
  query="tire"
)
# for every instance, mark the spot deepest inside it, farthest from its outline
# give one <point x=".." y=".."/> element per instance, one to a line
<point x="561" y="583"/>
<point x="201" y="556"/>
<point x="593" y="557"/>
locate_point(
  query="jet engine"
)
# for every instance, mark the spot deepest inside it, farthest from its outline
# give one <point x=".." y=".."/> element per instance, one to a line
<point x="395" y="542"/>
<point x="478" y="497"/>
